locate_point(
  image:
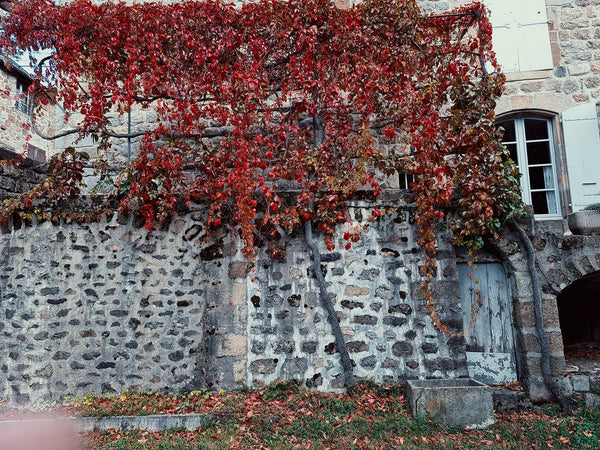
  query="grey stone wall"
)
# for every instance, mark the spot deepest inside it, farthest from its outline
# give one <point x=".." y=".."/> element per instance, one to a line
<point x="376" y="290"/>
<point x="102" y="307"/>
<point x="106" y="306"/>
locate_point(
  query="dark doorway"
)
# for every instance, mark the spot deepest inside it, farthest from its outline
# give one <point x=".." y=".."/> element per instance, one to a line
<point x="579" y="313"/>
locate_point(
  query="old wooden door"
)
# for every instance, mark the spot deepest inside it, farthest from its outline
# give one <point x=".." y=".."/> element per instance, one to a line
<point x="489" y="332"/>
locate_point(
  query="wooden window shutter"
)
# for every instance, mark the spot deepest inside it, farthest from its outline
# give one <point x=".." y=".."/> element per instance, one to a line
<point x="582" y="149"/>
<point x="520" y="37"/>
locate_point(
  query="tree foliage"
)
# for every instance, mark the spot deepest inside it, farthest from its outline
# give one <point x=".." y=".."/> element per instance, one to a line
<point x="298" y="95"/>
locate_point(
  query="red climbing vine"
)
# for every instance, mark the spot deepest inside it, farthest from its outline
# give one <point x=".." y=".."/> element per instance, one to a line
<point x="275" y="113"/>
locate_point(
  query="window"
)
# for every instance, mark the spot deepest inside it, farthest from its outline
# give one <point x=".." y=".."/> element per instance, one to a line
<point x="529" y="141"/>
<point x="405" y="179"/>
<point x="520" y="34"/>
<point x="23" y="98"/>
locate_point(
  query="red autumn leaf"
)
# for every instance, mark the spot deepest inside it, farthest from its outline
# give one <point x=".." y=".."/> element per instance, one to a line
<point x="237" y="102"/>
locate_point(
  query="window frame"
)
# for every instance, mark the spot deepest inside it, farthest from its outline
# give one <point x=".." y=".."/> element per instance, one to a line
<point x="524" y="166"/>
<point x="22" y="104"/>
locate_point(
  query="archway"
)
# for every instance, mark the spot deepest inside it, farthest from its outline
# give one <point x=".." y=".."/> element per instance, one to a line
<point x="579" y="314"/>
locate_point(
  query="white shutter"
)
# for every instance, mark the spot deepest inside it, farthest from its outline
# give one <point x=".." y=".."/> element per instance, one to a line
<point x="582" y="149"/>
<point x="520" y="34"/>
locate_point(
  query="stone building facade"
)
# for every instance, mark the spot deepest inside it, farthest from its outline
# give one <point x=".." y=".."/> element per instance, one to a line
<point x="550" y="53"/>
<point x="15" y="134"/>
<point x="560" y="86"/>
<point x="120" y="307"/>
<point x="16" y="137"/>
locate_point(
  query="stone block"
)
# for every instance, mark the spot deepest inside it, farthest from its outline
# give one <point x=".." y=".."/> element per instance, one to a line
<point x="522" y="102"/>
<point x="592" y="400"/>
<point x="294" y="367"/>
<point x="595" y="383"/>
<point x="525" y="313"/>
<point x="507" y="401"/>
<point x="230" y="345"/>
<point x="357" y="291"/>
<point x="239" y="371"/>
<point x="531" y="342"/>
<point x="533" y="86"/>
<point x="239" y="269"/>
<point x="579" y="69"/>
<point x="581" y="98"/>
<point x="555" y="53"/>
<point x="463" y="401"/>
<point x="581" y="383"/>
<point x="557" y="366"/>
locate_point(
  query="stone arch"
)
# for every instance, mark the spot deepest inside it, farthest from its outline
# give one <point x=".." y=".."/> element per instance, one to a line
<point x="565" y="265"/>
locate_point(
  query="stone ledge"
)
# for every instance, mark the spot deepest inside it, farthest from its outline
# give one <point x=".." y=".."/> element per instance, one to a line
<point x="531" y="75"/>
<point x="157" y="422"/>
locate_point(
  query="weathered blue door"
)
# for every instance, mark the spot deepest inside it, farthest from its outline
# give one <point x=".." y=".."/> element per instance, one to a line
<point x="489" y="331"/>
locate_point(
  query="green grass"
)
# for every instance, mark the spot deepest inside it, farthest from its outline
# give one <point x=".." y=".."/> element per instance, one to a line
<point x="287" y="416"/>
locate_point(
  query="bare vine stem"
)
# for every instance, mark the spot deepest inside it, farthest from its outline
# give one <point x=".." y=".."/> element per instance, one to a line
<point x="328" y="305"/>
<point x="549" y="382"/>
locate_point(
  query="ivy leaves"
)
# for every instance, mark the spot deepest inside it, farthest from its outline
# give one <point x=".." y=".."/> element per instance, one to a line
<point x="241" y="93"/>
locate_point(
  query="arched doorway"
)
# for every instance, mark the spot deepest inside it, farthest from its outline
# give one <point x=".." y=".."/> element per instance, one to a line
<point x="579" y="314"/>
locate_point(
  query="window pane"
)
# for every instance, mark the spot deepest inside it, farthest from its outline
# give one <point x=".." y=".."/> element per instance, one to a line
<point x="405" y="179"/>
<point x="551" y="199"/>
<point x="536" y="129"/>
<point x="544" y="202"/>
<point x="538" y="153"/>
<point x="509" y="131"/>
<point x="512" y="149"/>
<point x="539" y="202"/>
<point x="541" y="178"/>
<point x="528" y="142"/>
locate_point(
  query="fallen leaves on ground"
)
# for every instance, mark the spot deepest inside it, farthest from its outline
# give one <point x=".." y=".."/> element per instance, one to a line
<point x="286" y="416"/>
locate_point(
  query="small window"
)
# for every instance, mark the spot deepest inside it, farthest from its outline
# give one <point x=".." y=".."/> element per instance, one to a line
<point x="405" y="180"/>
<point x="23" y="98"/>
<point x="529" y="142"/>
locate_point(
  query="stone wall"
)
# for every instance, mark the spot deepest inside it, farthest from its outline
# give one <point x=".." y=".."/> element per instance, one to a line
<point x="377" y="295"/>
<point x="107" y="306"/>
<point x="103" y="307"/>
<point x="17" y="179"/>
